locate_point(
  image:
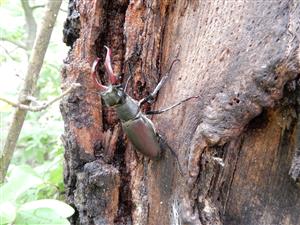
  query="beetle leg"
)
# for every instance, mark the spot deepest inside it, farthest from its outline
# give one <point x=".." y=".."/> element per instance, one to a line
<point x="150" y="98"/>
<point x="164" y="145"/>
<point x="170" y="107"/>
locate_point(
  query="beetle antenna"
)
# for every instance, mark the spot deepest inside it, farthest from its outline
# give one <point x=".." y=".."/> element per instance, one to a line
<point x="170" y="107"/>
<point x="174" y="61"/>
<point x="150" y="97"/>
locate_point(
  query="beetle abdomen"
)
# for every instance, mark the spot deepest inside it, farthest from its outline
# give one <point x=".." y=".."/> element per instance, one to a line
<point x="141" y="133"/>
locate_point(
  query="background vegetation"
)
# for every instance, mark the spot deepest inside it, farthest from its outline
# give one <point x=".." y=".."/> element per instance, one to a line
<point x="35" y="172"/>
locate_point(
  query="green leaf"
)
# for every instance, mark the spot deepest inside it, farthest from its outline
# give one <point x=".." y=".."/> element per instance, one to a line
<point x="7" y="213"/>
<point x="60" y="208"/>
<point x="56" y="175"/>
<point x="40" y="216"/>
<point x="20" y="180"/>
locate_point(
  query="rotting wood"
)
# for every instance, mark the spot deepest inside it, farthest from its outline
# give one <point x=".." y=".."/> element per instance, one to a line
<point x="89" y="134"/>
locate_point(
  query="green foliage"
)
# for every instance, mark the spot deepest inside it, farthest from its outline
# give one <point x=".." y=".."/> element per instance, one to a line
<point x="8" y="212"/>
<point x="48" y="84"/>
<point x="44" y="212"/>
<point x="12" y="30"/>
<point x="2" y="59"/>
<point x="33" y="192"/>
<point x="15" y="207"/>
<point x="16" y="35"/>
<point x="20" y="179"/>
<point x="40" y="147"/>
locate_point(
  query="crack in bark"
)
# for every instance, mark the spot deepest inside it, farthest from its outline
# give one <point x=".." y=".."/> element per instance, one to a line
<point x="240" y="144"/>
<point x="294" y="171"/>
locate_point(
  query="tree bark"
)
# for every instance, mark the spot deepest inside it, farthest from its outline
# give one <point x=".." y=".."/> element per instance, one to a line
<point x="31" y="25"/>
<point x="237" y="145"/>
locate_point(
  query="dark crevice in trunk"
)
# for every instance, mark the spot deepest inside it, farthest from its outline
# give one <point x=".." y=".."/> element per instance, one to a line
<point x="294" y="171"/>
<point x="125" y="201"/>
<point x="111" y="36"/>
<point x="236" y="145"/>
<point x="258" y="122"/>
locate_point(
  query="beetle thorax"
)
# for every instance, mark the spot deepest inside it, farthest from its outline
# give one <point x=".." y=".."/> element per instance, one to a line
<point x="126" y="107"/>
<point x="129" y="110"/>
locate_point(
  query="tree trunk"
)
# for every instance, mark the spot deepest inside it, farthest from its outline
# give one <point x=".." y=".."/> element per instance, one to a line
<point x="236" y="144"/>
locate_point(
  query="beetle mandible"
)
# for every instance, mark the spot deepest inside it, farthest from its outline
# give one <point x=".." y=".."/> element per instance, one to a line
<point x="138" y="128"/>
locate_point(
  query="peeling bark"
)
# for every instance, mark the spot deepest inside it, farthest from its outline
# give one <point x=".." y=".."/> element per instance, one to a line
<point x="236" y="145"/>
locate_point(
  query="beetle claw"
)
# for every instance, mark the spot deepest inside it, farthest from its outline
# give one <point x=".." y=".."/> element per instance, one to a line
<point x="108" y="67"/>
<point x="94" y="75"/>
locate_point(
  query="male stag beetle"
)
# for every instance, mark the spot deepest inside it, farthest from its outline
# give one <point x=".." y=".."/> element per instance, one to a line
<point x="138" y="128"/>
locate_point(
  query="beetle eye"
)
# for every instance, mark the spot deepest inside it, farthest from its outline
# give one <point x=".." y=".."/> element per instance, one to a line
<point x="120" y="93"/>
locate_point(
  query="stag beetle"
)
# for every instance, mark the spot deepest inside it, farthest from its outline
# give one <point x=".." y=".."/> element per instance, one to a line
<point x="138" y="128"/>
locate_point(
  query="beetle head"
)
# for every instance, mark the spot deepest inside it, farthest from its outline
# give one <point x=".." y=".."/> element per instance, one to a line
<point x="113" y="96"/>
<point x="113" y="93"/>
